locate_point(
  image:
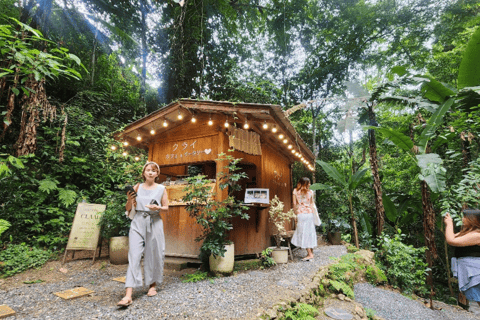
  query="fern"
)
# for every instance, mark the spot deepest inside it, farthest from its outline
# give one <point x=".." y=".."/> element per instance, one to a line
<point x="67" y="197"/>
<point x="47" y="185"/>
<point x="195" y="277"/>
<point x="301" y="311"/>
<point x="4" y="225"/>
<point x="342" y="287"/>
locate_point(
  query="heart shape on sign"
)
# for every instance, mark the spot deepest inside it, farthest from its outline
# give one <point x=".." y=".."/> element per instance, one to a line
<point x="207" y="151"/>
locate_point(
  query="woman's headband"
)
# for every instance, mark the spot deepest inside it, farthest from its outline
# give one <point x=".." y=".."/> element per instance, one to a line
<point x="149" y="163"/>
<point x="471" y="211"/>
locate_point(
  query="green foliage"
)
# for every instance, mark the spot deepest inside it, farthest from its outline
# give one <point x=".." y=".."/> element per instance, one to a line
<point x="375" y="275"/>
<point x="19" y="257"/>
<point x="370" y="313"/>
<point x="337" y="286"/>
<point x="243" y="265"/>
<point x="266" y="258"/>
<point x="301" y="311"/>
<point x="195" y="277"/>
<point x="278" y="217"/>
<point x="462" y="193"/>
<point x="4" y="225"/>
<point x="6" y="161"/>
<point x="469" y="72"/>
<point x="403" y="264"/>
<point x="215" y="216"/>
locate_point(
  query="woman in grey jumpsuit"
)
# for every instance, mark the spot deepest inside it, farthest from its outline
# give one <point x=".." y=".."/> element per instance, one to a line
<point x="146" y="235"/>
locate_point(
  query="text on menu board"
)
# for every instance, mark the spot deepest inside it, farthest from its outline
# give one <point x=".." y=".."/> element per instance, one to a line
<point x="186" y="149"/>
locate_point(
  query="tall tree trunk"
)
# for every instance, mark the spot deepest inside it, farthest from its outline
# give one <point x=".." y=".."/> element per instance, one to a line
<point x="377" y="184"/>
<point x="354" y="223"/>
<point x="143" y="8"/>
<point x="429" y="232"/>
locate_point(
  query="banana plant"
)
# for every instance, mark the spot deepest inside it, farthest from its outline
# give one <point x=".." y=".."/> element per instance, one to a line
<point x="345" y="183"/>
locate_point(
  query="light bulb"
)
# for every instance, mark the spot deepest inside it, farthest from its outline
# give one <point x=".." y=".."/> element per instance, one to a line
<point x="290" y="146"/>
<point x="137" y="158"/>
<point x="293" y="151"/>
<point x="139" y="138"/>
<point x="124" y="154"/>
<point x="265" y="125"/>
<point x="152" y="132"/>
<point x="246" y="126"/>
<point x="179" y="116"/>
<point x="210" y="122"/>
<point x="113" y="147"/>
<point x="125" y="143"/>
<point x="194" y="119"/>
<point x="165" y="123"/>
<point x="285" y="140"/>
<point x="274" y="129"/>
<point x="226" y="124"/>
<point x="280" y="136"/>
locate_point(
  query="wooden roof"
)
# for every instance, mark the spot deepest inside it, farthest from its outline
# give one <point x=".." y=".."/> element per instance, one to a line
<point x="255" y="114"/>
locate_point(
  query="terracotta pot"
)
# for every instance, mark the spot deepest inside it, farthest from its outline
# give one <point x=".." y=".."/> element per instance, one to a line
<point x="280" y="255"/>
<point x="223" y="264"/>
<point x="118" y="250"/>
<point x="335" y="237"/>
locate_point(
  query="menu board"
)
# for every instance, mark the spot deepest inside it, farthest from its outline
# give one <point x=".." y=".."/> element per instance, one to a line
<point x="85" y="229"/>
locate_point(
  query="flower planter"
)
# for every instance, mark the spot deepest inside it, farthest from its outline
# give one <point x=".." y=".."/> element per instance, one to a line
<point x="280" y="255"/>
<point x="118" y="250"/>
<point x="223" y="264"/>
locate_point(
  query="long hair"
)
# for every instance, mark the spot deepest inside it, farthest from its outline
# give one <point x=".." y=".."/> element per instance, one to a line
<point x="302" y="185"/>
<point x="471" y="221"/>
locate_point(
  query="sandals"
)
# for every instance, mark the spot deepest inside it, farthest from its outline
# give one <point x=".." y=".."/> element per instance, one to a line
<point x="125" y="302"/>
<point x="307" y="259"/>
<point x="152" y="292"/>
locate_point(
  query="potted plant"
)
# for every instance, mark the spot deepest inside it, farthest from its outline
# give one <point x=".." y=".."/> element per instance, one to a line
<point x="115" y="226"/>
<point x="335" y="228"/>
<point x="215" y="216"/>
<point x="278" y="217"/>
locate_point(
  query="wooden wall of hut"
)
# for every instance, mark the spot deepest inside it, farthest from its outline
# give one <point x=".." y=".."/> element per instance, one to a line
<point x="196" y="143"/>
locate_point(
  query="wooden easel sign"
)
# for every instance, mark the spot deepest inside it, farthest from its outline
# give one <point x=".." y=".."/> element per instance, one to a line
<point x="85" y="229"/>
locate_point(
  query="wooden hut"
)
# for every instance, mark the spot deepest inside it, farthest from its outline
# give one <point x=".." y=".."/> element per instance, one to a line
<point x="191" y="133"/>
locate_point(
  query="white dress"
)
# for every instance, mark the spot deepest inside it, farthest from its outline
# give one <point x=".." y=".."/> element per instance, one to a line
<point x="305" y="235"/>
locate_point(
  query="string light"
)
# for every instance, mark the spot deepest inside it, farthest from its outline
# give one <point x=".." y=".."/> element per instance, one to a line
<point x="179" y="116"/>
<point x="125" y="143"/>
<point x="274" y="129"/>
<point x="246" y="126"/>
<point x="290" y="146"/>
<point x="139" y="138"/>
<point x="113" y="148"/>
<point x="194" y="119"/>
<point x="226" y="122"/>
<point x="293" y="151"/>
<point x="152" y="132"/>
<point x="165" y="123"/>
<point x="137" y="158"/>
<point x="285" y="140"/>
<point x="280" y="136"/>
<point x="124" y="154"/>
<point x="210" y="122"/>
<point x="265" y="125"/>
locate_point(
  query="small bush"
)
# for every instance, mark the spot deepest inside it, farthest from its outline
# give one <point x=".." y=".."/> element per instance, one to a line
<point x="375" y="275"/>
<point x="403" y="265"/>
<point x="301" y="311"/>
<point x="195" y="277"/>
<point x="19" y="257"/>
<point x="266" y="258"/>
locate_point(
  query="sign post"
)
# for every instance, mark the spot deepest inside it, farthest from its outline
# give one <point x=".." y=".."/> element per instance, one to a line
<point x="85" y="229"/>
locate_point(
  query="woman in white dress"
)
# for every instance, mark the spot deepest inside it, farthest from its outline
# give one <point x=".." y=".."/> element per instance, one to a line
<point x="305" y="235"/>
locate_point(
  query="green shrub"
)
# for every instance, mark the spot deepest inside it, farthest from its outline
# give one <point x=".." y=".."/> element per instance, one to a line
<point x="403" y="265"/>
<point x="19" y="257"/>
<point x="266" y="258"/>
<point x="195" y="277"/>
<point x="375" y="275"/>
<point x="301" y="311"/>
<point x="4" y="225"/>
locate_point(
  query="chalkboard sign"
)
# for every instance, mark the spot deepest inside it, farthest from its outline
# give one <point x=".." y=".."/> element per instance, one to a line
<point x="85" y="229"/>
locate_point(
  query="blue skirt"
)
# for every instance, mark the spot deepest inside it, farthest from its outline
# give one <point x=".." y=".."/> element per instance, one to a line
<point x="473" y="293"/>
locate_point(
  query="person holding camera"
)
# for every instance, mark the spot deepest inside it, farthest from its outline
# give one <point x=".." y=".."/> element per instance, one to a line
<point x="466" y="263"/>
<point x="146" y="235"/>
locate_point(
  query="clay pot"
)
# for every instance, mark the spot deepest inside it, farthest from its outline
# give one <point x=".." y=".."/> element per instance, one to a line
<point x="280" y="255"/>
<point x="335" y="237"/>
<point x="223" y="264"/>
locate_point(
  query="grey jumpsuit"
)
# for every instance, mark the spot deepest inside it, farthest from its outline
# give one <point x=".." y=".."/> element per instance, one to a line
<point x="146" y="237"/>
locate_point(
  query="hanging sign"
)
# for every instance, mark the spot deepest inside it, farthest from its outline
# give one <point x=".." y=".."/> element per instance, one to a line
<point x="85" y="229"/>
<point x="190" y="150"/>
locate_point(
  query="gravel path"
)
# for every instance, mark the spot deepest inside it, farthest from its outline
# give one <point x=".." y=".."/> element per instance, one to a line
<point x="394" y="306"/>
<point x="241" y="296"/>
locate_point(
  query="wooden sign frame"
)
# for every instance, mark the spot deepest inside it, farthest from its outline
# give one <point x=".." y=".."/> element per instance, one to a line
<point x="85" y="231"/>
